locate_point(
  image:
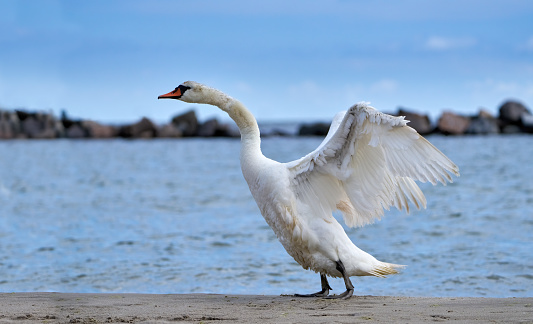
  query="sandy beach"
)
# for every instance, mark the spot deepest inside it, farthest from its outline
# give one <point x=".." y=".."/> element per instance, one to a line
<point x="210" y="308"/>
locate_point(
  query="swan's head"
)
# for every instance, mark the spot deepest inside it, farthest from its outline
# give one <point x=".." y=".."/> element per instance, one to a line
<point x="194" y="92"/>
<point x="189" y="91"/>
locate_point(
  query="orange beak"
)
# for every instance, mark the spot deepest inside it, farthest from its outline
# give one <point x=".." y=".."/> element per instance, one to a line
<point x="174" y="94"/>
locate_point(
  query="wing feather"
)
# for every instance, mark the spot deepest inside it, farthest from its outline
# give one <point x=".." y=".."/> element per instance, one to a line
<point x="368" y="162"/>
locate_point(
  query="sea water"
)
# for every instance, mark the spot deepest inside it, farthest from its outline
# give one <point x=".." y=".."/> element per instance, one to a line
<point x="176" y="216"/>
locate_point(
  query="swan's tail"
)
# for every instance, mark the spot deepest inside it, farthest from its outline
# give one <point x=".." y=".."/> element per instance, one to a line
<point x="382" y="269"/>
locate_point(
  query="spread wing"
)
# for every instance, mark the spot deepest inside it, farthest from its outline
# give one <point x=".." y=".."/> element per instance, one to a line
<point x="368" y="162"/>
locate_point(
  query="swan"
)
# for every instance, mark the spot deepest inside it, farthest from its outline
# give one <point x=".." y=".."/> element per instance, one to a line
<point x="368" y="162"/>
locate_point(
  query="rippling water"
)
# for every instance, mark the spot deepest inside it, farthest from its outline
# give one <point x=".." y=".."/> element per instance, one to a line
<point x="175" y="216"/>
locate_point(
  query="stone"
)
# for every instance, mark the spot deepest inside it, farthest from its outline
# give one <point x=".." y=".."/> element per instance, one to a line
<point x="227" y="130"/>
<point x="419" y="122"/>
<point x="483" y="123"/>
<point x="452" y="124"/>
<point x="53" y="127"/>
<point x="22" y="115"/>
<point x="31" y="126"/>
<point x="38" y="126"/>
<point x="511" y="112"/>
<point x="144" y="128"/>
<point x="187" y="123"/>
<point x="510" y="129"/>
<point x="97" y="130"/>
<point x="169" y="131"/>
<point x="527" y="123"/>
<point x="208" y="128"/>
<point x="9" y="125"/>
<point x="76" y="131"/>
<point x="314" y="129"/>
<point x="6" y="131"/>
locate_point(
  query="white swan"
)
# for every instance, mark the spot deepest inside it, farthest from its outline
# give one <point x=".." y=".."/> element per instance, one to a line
<point x="367" y="163"/>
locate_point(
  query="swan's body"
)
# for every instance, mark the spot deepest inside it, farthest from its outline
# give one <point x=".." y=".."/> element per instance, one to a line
<point x="367" y="163"/>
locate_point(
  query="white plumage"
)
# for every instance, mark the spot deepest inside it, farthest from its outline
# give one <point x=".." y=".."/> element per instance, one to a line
<point x="368" y="162"/>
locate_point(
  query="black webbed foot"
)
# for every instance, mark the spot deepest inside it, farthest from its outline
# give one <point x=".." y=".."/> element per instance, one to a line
<point x="323" y="293"/>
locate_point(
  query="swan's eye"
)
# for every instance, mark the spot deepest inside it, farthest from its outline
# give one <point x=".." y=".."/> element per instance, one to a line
<point x="183" y="88"/>
<point x="180" y="90"/>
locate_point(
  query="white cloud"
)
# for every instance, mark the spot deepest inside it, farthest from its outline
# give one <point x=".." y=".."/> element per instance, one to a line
<point x="438" y="43"/>
<point x="385" y="85"/>
<point x="500" y="90"/>
<point x="243" y="86"/>
<point x="524" y="89"/>
<point x="304" y="89"/>
<point x="312" y="89"/>
<point x="335" y="97"/>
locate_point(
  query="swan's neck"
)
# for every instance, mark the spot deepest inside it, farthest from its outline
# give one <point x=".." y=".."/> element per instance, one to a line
<point x="250" y="137"/>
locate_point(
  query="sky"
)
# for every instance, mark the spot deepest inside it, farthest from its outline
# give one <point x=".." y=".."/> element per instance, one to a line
<point x="285" y="60"/>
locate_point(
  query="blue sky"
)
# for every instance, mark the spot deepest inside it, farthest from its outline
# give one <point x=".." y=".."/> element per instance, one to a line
<point x="285" y="60"/>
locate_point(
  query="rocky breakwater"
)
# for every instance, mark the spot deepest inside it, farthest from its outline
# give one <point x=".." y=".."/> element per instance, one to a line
<point x="21" y="124"/>
<point x="513" y="117"/>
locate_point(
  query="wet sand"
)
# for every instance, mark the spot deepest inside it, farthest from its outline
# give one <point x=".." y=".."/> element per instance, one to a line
<point x="209" y="308"/>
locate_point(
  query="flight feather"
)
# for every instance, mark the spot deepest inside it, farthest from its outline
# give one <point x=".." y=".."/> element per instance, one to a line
<point x="368" y="162"/>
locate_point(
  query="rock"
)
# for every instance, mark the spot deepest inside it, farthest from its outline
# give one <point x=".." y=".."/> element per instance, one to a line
<point x="483" y="123"/>
<point x="31" y="126"/>
<point x="510" y="129"/>
<point x="144" y="128"/>
<point x="527" y="123"/>
<point x="420" y="123"/>
<point x="212" y="128"/>
<point x="453" y="124"/>
<point x="97" y="130"/>
<point x="277" y="132"/>
<point x="315" y="129"/>
<point x="227" y="130"/>
<point x="485" y="114"/>
<point x="6" y="131"/>
<point x="9" y="125"/>
<point x="511" y="112"/>
<point x="169" y="131"/>
<point x="22" y="115"/>
<point x="39" y="125"/>
<point x="54" y="126"/>
<point x="208" y="129"/>
<point x="76" y="130"/>
<point x="187" y="123"/>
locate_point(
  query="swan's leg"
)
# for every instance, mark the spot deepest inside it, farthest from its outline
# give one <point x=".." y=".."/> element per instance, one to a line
<point x="349" y="287"/>
<point x="325" y="288"/>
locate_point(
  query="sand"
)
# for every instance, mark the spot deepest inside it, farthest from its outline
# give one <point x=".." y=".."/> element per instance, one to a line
<point x="210" y="308"/>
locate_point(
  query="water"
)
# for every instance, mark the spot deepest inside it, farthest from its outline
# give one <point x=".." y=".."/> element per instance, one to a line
<point x="175" y="216"/>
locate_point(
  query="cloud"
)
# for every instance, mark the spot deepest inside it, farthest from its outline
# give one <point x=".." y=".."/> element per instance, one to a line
<point x="243" y="86"/>
<point x="312" y="89"/>
<point x="306" y="88"/>
<point x="502" y="89"/>
<point x="437" y="43"/>
<point x="385" y="85"/>
<point x="338" y="96"/>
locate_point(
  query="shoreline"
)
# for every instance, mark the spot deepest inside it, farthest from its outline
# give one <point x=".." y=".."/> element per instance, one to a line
<point x="210" y="308"/>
